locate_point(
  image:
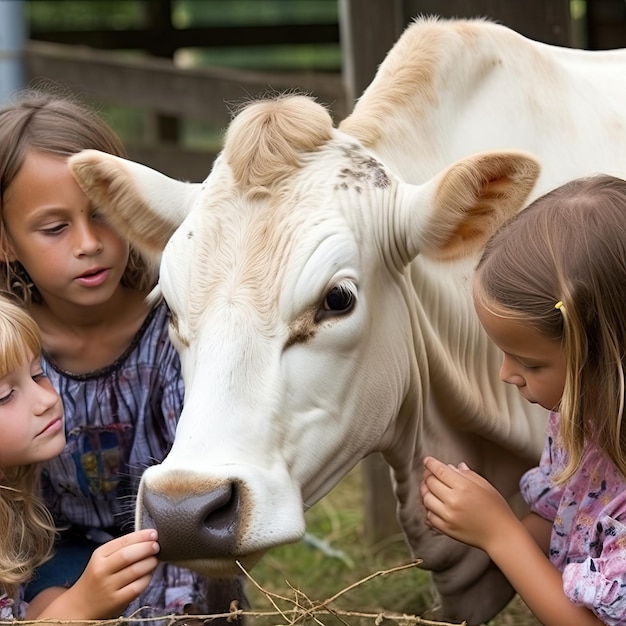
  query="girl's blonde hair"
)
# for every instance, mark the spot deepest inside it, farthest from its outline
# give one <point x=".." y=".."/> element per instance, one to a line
<point x="569" y="247"/>
<point x="28" y="530"/>
<point x="42" y="121"/>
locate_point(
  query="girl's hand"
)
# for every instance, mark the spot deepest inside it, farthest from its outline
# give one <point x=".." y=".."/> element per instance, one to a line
<point x="463" y="505"/>
<point x="116" y="574"/>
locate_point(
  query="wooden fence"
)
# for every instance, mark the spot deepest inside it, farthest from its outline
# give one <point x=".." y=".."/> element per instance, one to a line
<point x="156" y="86"/>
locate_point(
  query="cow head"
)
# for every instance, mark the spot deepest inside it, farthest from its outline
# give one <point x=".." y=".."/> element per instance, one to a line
<point x="286" y="273"/>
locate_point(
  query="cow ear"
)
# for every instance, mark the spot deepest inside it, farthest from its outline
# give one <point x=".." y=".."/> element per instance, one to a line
<point x="141" y="203"/>
<point x="455" y="213"/>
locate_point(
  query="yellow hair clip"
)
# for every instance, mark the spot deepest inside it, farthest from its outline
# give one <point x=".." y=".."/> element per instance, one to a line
<point x="559" y="305"/>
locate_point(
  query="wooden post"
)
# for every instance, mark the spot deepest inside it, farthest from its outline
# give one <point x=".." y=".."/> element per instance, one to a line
<point x="606" y="24"/>
<point x="159" y="21"/>
<point x="368" y="29"/>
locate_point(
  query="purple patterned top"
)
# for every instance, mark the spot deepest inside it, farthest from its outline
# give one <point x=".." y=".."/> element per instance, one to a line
<point x="588" y="542"/>
<point x="118" y="421"/>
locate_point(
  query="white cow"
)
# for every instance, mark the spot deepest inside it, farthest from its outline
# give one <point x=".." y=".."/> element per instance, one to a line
<point x="321" y="302"/>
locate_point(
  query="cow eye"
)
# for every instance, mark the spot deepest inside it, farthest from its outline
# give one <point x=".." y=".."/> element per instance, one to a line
<point x="340" y="299"/>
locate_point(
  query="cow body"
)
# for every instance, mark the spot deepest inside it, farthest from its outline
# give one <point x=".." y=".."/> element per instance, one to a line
<point x="319" y="282"/>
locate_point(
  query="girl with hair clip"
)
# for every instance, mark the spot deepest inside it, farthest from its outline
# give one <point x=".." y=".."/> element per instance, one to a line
<point x="31" y="420"/>
<point x="105" y="349"/>
<point x="550" y="291"/>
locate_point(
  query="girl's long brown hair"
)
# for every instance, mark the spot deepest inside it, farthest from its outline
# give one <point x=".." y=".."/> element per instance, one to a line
<point x="569" y="246"/>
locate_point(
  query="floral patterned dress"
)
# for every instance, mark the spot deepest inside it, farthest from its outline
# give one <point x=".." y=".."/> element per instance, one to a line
<point x="588" y="542"/>
<point x="6" y="608"/>
<point x="12" y="608"/>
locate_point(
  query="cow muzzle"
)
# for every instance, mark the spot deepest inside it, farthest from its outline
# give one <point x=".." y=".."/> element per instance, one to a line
<point x="194" y="525"/>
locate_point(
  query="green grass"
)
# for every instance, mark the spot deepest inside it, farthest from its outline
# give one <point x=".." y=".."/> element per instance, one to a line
<point x="304" y="575"/>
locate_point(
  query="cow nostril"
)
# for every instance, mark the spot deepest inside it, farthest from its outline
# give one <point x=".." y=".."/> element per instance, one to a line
<point x="194" y="527"/>
<point x="221" y="515"/>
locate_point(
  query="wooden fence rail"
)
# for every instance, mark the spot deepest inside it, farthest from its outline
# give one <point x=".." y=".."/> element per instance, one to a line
<point x="157" y="86"/>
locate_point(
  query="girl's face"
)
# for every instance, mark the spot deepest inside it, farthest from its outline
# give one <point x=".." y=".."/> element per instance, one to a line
<point x="31" y="417"/>
<point x="69" y="252"/>
<point x="532" y="362"/>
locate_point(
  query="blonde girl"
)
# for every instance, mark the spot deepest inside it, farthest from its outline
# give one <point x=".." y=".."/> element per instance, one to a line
<point x="31" y="422"/>
<point x="550" y="291"/>
<point x="31" y="540"/>
<point x="104" y="349"/>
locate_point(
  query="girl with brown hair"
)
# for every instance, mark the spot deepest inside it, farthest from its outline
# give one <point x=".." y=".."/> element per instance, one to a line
<point x="550" y="291"/>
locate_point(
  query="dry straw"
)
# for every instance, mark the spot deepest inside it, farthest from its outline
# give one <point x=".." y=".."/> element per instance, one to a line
<point x="288" y="611"/>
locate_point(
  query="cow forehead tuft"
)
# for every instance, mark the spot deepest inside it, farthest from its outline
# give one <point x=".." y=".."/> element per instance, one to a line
<point x="269" y="138"/>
